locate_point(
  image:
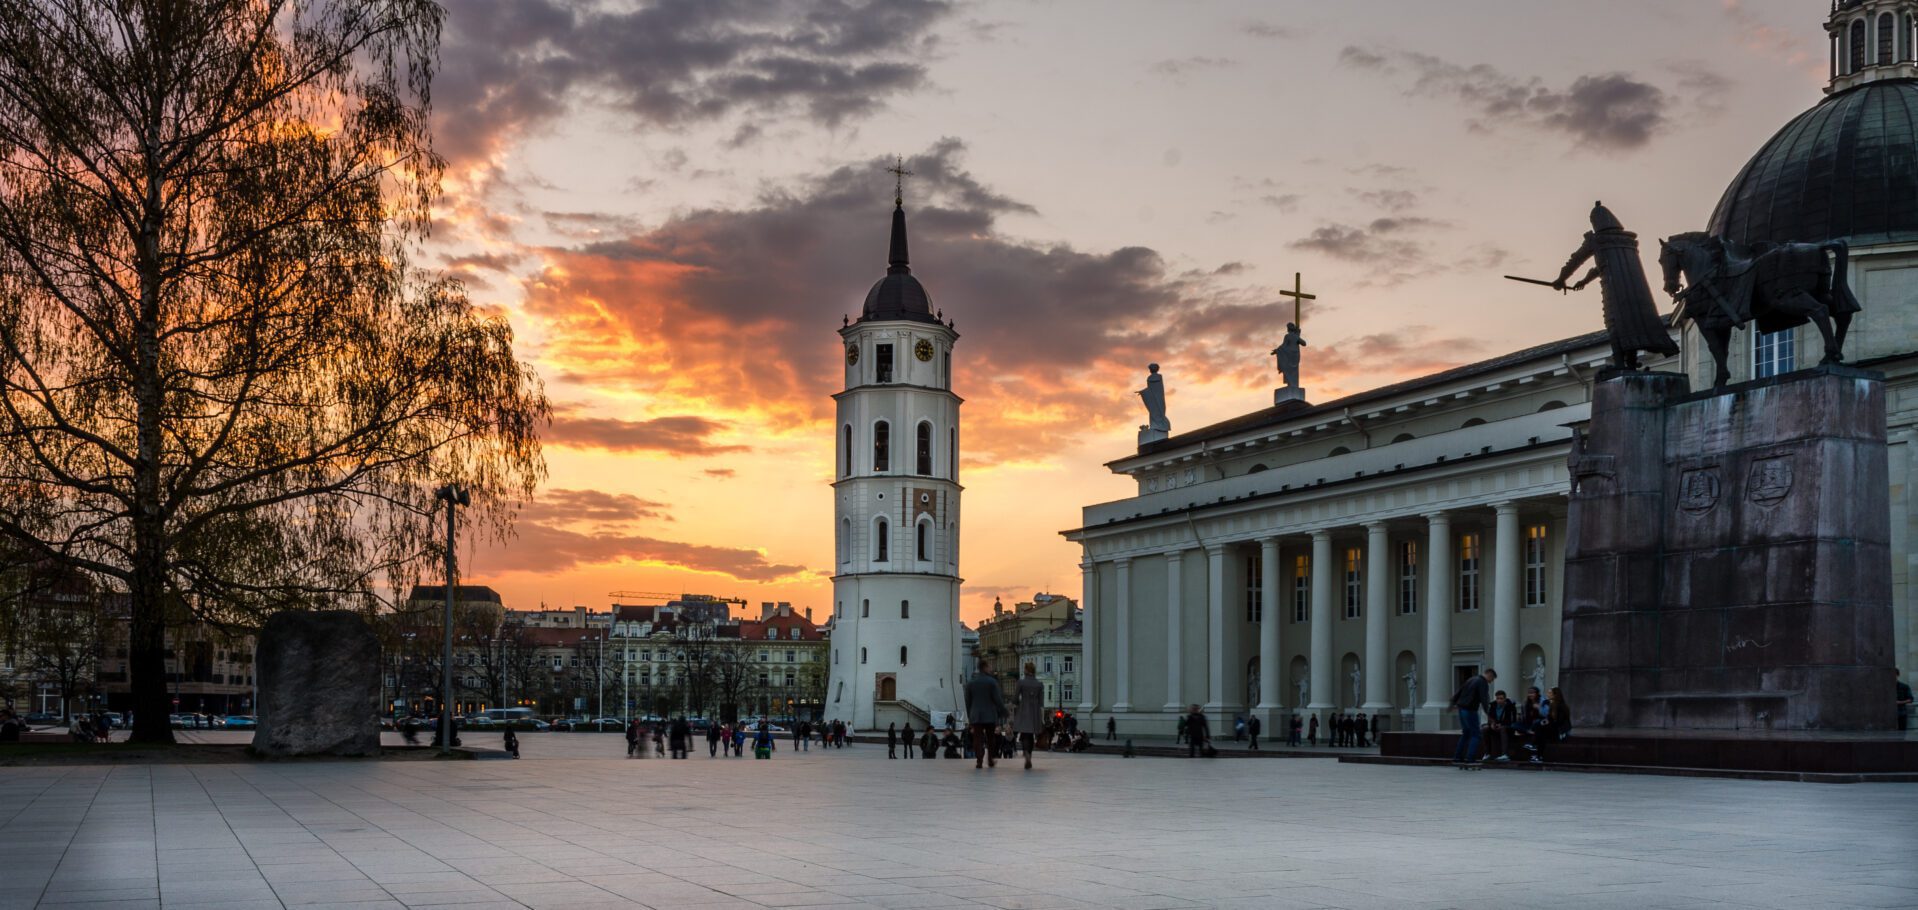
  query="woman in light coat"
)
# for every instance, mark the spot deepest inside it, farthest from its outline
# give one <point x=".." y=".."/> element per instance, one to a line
<point x="1029" y="710"/>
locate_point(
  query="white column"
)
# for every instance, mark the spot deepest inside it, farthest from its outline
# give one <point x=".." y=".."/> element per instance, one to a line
<point x="1377" y="671"/>
<point x="1435" y="664"/>
<point x="1270" y="657"/>
<point x="1321" y="659"/>
<point x="1502" y="652"/>
<point x="1174" y="615"/>
<point x="1089" y="639"/>
<point x="1122" y="632"/>
<point x="1216" y="659"/>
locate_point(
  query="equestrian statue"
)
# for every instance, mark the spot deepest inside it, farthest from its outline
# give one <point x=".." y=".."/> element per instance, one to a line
<point x="1776" y="285"/>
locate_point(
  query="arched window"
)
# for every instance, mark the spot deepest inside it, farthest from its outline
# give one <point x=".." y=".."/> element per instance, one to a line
<point x="902" y="655"/>
<point x="1341" y="450"/>
<point x="1403" y="437"/>
<point x="1258" y="469"/>
<point x="865" y="609"/>
<point x="862" y="655"/>
<point x="1857" y="46"/>
<point x="1550" y="406"/>
<point x="847" y="470"/>
<point x="925" y="541"/>
<point x="879" y="553"/>
<point x="881" y="447"/>
<point x="1474" y="422"/>
<point x="905" y="609"/>
<point x="924" y="461"/>
<point x="1887" y="31"/>
<point x="952" y="453"/>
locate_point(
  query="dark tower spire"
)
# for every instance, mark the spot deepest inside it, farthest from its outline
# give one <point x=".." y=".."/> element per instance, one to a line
<point x="896" y="259"/>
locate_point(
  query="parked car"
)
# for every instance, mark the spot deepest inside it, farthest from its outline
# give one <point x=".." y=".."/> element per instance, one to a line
<point x="239" y="722"/>
<point x="42" y="719"/>
<point x="477" y="722"/>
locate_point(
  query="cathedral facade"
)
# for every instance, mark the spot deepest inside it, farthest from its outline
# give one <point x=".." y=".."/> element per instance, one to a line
<point x="896" y="638"/>
<point x="1372" y="552"/>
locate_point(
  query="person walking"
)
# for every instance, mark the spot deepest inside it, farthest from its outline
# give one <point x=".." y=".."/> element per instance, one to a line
<point x="1378" y="723"/>
<point x="1252" y="731"/>
<point x="892" y="740"/>
<point x="1314" y="737"/>
<point x="1238" y="728"/>
<point x="799" y="734"/>
<point x="763" y="742"/>
<point x="1029" y="710"/>
<point x="985" y="710"/>
<point x="1470" y="699"/>
<point x="905" y="739"/>
<point x="1198" y="732"/>
<point x="1178" y="732"/>
<point x="510" y="741"/>
<point x="1112" y="729"/>
<point x="632" y="737"/>
<point x="712" y="740"/>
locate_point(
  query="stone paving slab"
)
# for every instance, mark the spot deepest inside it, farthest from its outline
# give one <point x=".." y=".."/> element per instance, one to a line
<point x="577" y="825"/>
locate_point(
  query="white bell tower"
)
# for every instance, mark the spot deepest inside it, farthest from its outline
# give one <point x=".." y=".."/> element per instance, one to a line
<point x="895" y="632"/>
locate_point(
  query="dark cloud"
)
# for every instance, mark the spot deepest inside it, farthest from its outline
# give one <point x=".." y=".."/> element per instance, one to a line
<point x="721" y="473"/>
<point x="568" y="506"/>
<point x="513" y="64"/>
<point x="1284" y="202"/>
<point x="1607" y="111"/>
<point x="678" y="436"/>
<point x="1381" y="241"/>
<point x="1389" y="200"/>
<point x="544" y="547"/>
<point x="1188" y="65"/>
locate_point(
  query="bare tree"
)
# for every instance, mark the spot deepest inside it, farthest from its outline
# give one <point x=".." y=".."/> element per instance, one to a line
<point x="63" y="640"/>
<point x="221" y="381"/>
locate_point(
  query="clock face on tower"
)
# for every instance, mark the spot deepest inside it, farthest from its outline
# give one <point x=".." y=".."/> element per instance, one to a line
<point x="852" y="354"/>
<point x="922" y="350"/>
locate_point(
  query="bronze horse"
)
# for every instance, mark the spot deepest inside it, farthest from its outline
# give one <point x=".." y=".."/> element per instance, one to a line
<point x="1778" y="286"/>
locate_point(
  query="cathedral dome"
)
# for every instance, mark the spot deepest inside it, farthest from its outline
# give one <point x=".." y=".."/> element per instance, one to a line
<point x="898" y="295"/>
<point x="1846" y="169"/>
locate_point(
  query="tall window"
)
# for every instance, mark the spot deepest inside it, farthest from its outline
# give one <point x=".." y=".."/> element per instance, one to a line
<point x="952" y="452"/>
<point x="1065" y="665"/>
<point x="1254" y="583"/>
<point x="865" y="609"/>
<point x="862" y="655"/>
<point x="1468" y="557"/>
<point x="902" y="655"/>
<point x="1773" y="353"/>
<point x="1354" y="582"/>
<point x="925" y="549"/>
<point x="924" y="461"/>
<point x="881" y="447"/>
<point x="845" y="540"/>
<point x="1857" y="54"/>
<point x="905" y="609"/>
<point x="1408" y="577"/>
<point x="847" y="470"/>
<point x="1301" y="588"/>
<point x="881" y="532"/>
<point x="1887" y="30"/>
<point x="1535" y="566"/>
<point x="883" y="362"/>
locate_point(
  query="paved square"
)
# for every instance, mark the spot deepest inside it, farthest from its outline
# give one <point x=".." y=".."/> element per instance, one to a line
<point x="567" y="828"/>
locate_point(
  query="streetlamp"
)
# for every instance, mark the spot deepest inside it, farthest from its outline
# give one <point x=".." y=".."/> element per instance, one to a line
<point x="454" y="496"/>
<point x="599" y="680"/>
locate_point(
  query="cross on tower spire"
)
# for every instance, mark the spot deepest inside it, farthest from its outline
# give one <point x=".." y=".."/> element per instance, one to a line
<point x="899" y="173"/>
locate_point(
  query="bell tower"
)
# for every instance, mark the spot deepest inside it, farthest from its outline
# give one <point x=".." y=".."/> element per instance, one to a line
<point x="895" y="633"/>
<point x="1871" y="41"/>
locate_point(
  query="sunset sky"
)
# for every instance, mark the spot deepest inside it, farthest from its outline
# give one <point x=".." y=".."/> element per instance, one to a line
<point x="675" y="203"/>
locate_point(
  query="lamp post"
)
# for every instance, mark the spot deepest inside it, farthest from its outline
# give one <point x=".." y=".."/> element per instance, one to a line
<point x="599" y="680"/>
<point x="454" y="496"/>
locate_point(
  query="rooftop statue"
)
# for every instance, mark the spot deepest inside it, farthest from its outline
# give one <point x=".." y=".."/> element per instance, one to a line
<point x="1777" y="286"/>
<point x="1631" y="317"/>
<point x="1154" y="396"/>
<point x="1288" y="354"/>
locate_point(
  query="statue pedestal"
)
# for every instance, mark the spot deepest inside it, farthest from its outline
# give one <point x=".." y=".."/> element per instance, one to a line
<point x="1288" y="393"/>
<point x="1148" y="434"/>
<point x="1728" y="565"/>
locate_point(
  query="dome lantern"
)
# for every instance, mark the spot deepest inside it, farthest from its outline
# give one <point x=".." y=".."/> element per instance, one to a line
<point x="1871" y="41"/>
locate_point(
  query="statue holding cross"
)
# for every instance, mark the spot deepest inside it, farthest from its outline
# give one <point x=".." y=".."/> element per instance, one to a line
<point x="1288" y="350"/>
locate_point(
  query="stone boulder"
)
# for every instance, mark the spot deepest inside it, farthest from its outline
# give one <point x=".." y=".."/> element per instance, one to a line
<point x="319" y="685"/>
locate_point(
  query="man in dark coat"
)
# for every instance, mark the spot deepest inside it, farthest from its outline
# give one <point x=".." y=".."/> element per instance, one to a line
<point x="1631" y="316"/>
<point x="985" y="711"/>
<point x="1198" y="732"/>
<point x="1252" y="731"/>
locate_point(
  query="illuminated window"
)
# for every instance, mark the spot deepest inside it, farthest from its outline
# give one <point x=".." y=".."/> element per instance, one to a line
<point x="1468" y="559"/>
<point x="1773" y="353"/>
<point x="881" y="447"/>
<point x="1535" y="566"/>
<point x="1301" y="588"/>
<point x="1408" y="577"/>
<point x="1354" y="582"/>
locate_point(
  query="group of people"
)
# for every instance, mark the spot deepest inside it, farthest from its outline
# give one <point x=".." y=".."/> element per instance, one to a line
<point x="1532" y="728"/>
<point x="995" y="729"/>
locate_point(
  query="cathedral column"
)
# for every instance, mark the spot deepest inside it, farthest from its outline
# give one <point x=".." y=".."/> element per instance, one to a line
<point x="1122" y="631"/>
<point x="1088" y="638"/>
<point x="1376" y="672"/>
<point x="1270" y="657"/>
<point x="1435" y="669"/>
<point x="1501" y="651"/>
<point x="1216" y="660"/>
<point x="1174" y="615"/>
<point x="1321" y="659"/>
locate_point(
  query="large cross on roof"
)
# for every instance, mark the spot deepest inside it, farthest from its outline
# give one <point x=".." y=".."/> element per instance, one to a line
<point x="1298" y="296"/>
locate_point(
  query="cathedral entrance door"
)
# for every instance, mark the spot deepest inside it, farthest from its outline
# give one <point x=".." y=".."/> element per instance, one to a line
<point x="888" y="689"/>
